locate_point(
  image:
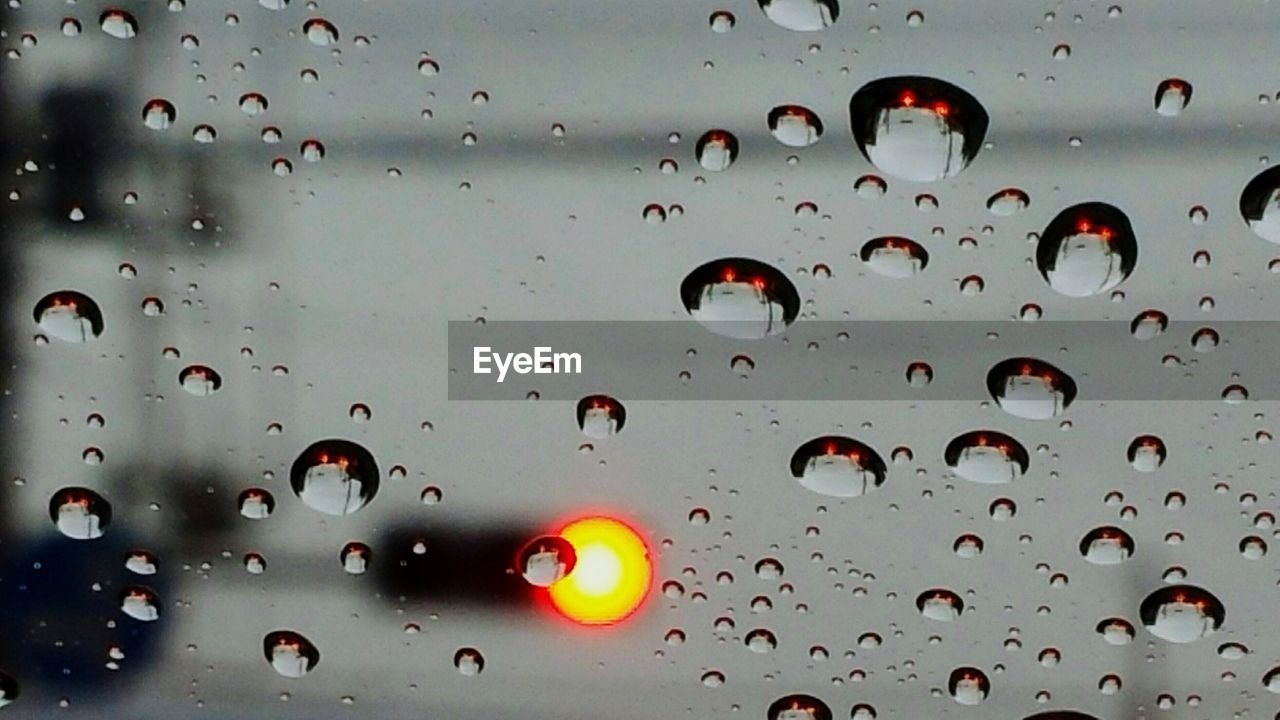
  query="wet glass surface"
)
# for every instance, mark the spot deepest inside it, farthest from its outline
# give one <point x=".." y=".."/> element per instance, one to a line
<point x="234" y="481"/>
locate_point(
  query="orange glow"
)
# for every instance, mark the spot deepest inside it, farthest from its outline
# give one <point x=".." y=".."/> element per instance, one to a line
<point x="729" y="274"/>
<point x="908" y="99"/>
<point x="612" y="575"/>
<point x="941" y="108"/>
<point x="757" y="283"/>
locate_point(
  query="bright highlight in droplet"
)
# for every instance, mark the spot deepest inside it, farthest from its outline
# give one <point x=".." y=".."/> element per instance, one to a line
<point x="612" y="575"/>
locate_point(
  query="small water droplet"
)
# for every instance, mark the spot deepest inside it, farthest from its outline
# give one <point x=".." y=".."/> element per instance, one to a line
<point x="761" y="641"/>
<point x="1149" y="324"/>
<point x="320" y="32"/>
<point x="1116" y="631"/>
<point x="257" y="504"/>
<point x="1107" y="545"/>
<point x="140" y="603"/>
<point x="798" y="707"/>
<point x="716" y="150"/>
<point x="141" y="562"/>
<point x="159" y="114"/>
<point x="200" y="380"/>
<point x="1008" y="202"/>
<point x="968" y="546"/>
<point x="355" y="558"/>
<point x="722" y="21"/>
<point x="940" y="604"/>
<point x="870" y="187"/>
<point x="600" y="416"/>
<point x="253" y="104"/>
<point x="468" y="661"/>
<point x="894" y="257"/>
<point x="968" y="685"/>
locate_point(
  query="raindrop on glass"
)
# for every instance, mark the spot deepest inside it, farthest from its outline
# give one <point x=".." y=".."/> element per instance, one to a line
<point x="1182" y="613"/>
<point x="546" y="560"/>
<point x="159" y="114"/>
<point x="798" y="707"/>
<point x="335" y="477"/>
<point x="1172" y="97"/>
<point x="1087" y="249"/>
<point x="69" y="316"/>
<point x="716" y="150"/>
<point x="795" y="126"/>
<point x="838" y="466"/>
<point x="740" y="298"/>
<point x="289" y="653"/>
<point x="1148" y="324"/>
<point x="80" y="513"/>
<point x="320" y="31"/>
<point x="468" y="661"/>
<point x="140" y="603"/>
<point x="1030" y="388"/>
<point x="894" y="257"/>
<point x="200" y="380"/>
<point x="355" y="557"/>
<point x="940" y="604"/>
<point x="118" y="24"/>
<point x="1107" y="545"/>
<point x="600" y="416"/>
<point x="801" y="15"/>
<point x="968" y="685"/>
<point x="917" y="128"/>
<point x="256" y="504"/>
<point x="1146" y="453"/>
<point x="987" y="456"/>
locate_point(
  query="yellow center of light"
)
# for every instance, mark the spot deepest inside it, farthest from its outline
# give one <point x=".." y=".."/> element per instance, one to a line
<point x="611" y="577"/>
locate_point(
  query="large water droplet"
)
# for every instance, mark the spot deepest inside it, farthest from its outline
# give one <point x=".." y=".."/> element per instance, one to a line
<point x="80" y="513"/>
<point x="1182" y="613"/>
<point x="289" y="653"/>
<point x="600" y="416"/>
<point x="987" y="456"/>
<point x="1107" y="545"/>
<point x="894" y="257"/>
<point x="795" y="126"/>
<point x="336" y="477"/>
<point x="469" y="661"/>
<point x="968" y="685"/>
<point x="740" y="298"/>
<point x="716" y="150"/>
<point x="802" y="15"/>
<point x="1260" y="204"/>
<point x="118" y="24"/>
<point x="69" y="316"/>
<point x="1146" y="453"/>
<point x="140" y="603"/>
<point x="1087" y="249"/>
<point x="838" y="466"/>
<point x="200" y="380"/>
<point x="1172" y="97"/>
<point x="159" y="114"/>
<point x="917" y="128"/>
<point x="1030" y="388"/>
<point x="320" y="31"/>
<point x="940" y="604"/>
<point x="798" y="707"/>
<point x="546" y="560"/>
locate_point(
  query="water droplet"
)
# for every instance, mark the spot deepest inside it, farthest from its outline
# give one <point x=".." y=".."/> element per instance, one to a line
<point x="1204" y="340"/>
<point x="254" y="563"/>
<point x="141" y="562"/>
<point x="761" y="641"/>
<point x="1232" y="651"/>
<point x="1172" y="97"/>
<point x="919" y="374"/>
<point x="140" y="603"/>
<point x="204" y="134"/>
<point x="1148" y="324"/>
<point x="469" y="661"/>
<point x="320" y="32"/>
<point x="712" y="679"/>
<point x="894" y="257"/>
<point x="546" y="560"/>
<point x="1260" y="204"/>
<point x="1116" y="631"/>
<point x="722" y="21"/>
<point x="838" y="466"/>
<point x="355" y="558"/>
<point x="289" y="653"/>
<point x="312" y="150"/>
<point x="1029" y="388"/>
<point x="1198" y="215"/>
<point x="654" y="214"/>
<point x="1146" y="453"/>
<point x="793" y="125"/>
<point x="118" y="24"/>
<point x="80" y="513"/>
<point x="253" y="104"/>
<point x="336" y="477"/>
<point x="71" y="28"/>
<point x="1061" y="52"/>
<point x="740" y="298"/>
<point x="940" y="604"/>
<point x="801" y="15"/>
<point x="915" y="18"/>
<point x="359" y="412"/>
<point x="1271" y="680"/>
<point x="716" y="150"/>
<point x="431" y="495"/>
<point x="257" y="504"/>
<point x="1106" y="546"/>
<point x="1253" y="548"/>
<point x="870" y="187"/>
<point x="1087" y="249"/>
<point x="1002" y="509"/>
<point x="1008" y="202"/>
<point x="917" y="128"/>
<point x="968" y="546"/>
<point x="199" y="380"/>
<point x="159" y="114"/>
<point x="1181" y="613"/>
<point x="1030" y="312"/>
<point x="968" y="685"/>
<point x="600" y="416"/>
<point x="1235" y="394"/>
<point x="987" y="456"/>
<point x="798" y="707"/>
<point x="69" y="316"/>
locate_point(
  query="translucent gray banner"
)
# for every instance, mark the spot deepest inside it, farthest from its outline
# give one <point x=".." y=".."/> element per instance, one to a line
<point x="1149" y="359"/>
